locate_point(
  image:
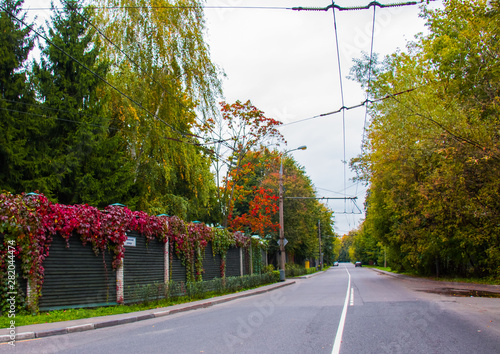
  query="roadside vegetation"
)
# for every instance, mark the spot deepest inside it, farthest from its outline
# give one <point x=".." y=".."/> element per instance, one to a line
<point x="470" y="280"/>
<point x="432" y="157"/>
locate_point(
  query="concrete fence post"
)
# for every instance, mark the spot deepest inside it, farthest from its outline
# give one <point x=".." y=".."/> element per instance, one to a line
<point x="119" y="284"/>
<point x="167" y="261"/>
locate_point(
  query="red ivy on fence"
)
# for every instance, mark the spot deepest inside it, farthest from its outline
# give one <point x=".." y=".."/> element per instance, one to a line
<point x="29" y="221"/>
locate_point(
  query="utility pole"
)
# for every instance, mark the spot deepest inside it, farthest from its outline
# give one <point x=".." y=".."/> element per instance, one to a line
<point x="282" y="232"/>
<point x="281" y="221"/>
<point x="319" y="238"/>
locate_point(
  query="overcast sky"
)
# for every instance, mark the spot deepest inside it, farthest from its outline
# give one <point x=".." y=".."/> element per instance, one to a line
<point x="285" y="62"/>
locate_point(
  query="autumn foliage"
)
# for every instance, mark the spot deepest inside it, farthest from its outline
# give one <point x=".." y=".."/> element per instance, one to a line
<point x="259" y="218"/>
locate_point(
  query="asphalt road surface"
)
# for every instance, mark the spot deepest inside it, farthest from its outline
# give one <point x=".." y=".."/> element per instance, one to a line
<point x="345" y="309"/>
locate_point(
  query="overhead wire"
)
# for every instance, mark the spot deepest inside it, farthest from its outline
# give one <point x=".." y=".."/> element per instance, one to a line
<point x="342" y="100"/>
<point x="373" y="4"/>
<point x="366" y="101"/>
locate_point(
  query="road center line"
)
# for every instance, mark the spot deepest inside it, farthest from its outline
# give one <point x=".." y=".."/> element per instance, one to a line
<point x="340" y="329"/>
<point x="352" y="297"/>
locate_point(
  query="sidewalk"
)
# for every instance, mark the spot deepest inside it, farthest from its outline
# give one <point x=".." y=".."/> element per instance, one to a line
<point x="86" y="324"/>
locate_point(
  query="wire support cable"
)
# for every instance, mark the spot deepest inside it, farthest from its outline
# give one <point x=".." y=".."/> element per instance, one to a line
<point x="350" y="8"/>
<point x="366" y="101"/>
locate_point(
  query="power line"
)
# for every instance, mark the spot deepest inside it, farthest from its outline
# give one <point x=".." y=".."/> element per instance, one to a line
<point x="342" y="97"/>
<point x="366" y="7"/>
<point x="173" y="7"/>
<point x="348" y="108"/>
<point x="353" y="199"/>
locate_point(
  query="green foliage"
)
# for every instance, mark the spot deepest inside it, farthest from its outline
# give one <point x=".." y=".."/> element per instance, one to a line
<point x="112" y="121"/>
<point x="83" y="158"/>
<point x="21" y="139"/>
<point x="190" y="291"/>
<point x="161" y="61"/>
<point x="432" y="158"/>
<point x="295" y="270"/>
<point x="222" y="240"/>
<point x="300" y="215"/>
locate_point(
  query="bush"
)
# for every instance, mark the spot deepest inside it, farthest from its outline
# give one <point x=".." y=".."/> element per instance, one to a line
<point x="294" y="270"/>
<point x="268" y="269"/>
<point x="200" y="290"/>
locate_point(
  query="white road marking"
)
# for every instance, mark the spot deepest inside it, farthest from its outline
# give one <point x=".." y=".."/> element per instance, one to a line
<point x="340" y="329"/>
<point x="352" y="297"/>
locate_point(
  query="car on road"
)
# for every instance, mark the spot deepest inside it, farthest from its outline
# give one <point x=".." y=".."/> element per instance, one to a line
<point x="357" y="264"/>
<point x="335" y="264"/>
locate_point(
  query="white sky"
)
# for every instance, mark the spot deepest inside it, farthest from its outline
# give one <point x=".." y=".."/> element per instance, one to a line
<point x="286" y="63"/>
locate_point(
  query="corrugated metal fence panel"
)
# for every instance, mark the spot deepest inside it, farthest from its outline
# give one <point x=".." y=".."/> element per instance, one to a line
<point x="178" y="271"/>
<point x="246" y="261"/>
<point x="233" y="262"/>
<point x="143" y="264"/>
<point x="211" y="264"/>
<point x="76" y="277"/>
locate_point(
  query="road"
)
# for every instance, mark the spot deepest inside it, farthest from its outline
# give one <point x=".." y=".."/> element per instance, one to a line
<point x="378" y="314"/>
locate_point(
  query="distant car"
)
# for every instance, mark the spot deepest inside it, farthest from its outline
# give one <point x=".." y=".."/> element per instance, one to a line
<point x="357" y="264"/>
<point x="336" y="264"/>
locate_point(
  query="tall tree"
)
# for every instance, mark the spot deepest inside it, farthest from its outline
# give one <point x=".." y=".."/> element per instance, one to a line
<point x="162" y="64"/>
<point x="20" y="126"/>
<point x="246" y="129"/>
<point x="260" y="172"/>
<point x="86" y="159"/>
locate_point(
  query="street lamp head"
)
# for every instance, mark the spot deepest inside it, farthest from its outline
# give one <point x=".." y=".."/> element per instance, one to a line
<point x="303" y="147"/>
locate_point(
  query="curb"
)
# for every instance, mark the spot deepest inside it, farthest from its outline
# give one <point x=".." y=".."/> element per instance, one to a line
<point x="396" y="275"/>
<point x="311" y="275"/>
<point x="111" y="323"/>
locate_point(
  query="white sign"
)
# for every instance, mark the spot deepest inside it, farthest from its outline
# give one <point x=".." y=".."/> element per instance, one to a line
<point x="285" y="241"/>
<point x="130" y="242"/>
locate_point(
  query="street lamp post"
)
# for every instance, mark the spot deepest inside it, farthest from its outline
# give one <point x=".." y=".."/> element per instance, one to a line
<point x="282" y="230"/>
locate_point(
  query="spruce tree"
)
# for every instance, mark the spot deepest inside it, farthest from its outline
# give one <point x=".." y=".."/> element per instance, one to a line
<point x="19" y="125"/>
<point x="87" y="159"/>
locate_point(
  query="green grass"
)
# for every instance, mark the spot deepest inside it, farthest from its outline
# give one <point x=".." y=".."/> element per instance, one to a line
<point x="487" y="281"/>
<point x="387" y="269"/>
<point x="23" y="319"/>
<point x="75" y="314"/>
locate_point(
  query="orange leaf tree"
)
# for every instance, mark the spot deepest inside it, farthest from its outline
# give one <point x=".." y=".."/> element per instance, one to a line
<point x="242" y="128"/>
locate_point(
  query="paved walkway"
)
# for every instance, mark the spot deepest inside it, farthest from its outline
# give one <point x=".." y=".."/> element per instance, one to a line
<point x="86" y="324"/>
